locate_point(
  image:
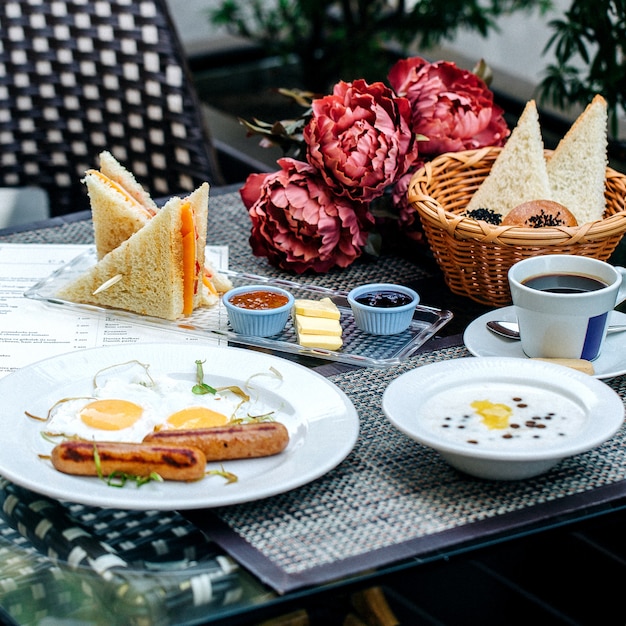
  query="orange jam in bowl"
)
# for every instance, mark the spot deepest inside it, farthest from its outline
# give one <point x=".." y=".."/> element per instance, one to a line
<point x="258" y="310"/>
<point x="259" y="300"/>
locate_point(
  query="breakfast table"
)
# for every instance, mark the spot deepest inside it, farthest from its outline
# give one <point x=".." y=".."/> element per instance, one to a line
<point x="390" y="505"/>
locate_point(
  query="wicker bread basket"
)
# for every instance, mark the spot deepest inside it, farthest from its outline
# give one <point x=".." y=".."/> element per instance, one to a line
<point x="475" y="256"/>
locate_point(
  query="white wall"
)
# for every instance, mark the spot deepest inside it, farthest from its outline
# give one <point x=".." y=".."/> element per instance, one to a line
<point x="515" y="50"/>
<point x="515" y="53"/>
<point x="193" y="24"/>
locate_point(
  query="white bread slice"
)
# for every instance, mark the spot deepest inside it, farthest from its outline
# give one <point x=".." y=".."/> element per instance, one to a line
<point x="115" y="215"/>
<point x="577" y="168"/>
<point x="114" y="170"/>
<point x="145" y="273"/>
<point x="519" y="173"/>
<point x="120" y="206"/>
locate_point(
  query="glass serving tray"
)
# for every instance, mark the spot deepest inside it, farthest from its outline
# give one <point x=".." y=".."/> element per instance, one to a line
<point x="359" y="348"/>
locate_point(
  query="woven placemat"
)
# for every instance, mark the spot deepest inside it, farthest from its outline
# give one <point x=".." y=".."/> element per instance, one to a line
<point x="394" y="499"/>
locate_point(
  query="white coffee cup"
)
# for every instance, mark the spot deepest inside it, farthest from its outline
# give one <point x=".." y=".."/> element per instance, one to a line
<point x="564" y="324"/>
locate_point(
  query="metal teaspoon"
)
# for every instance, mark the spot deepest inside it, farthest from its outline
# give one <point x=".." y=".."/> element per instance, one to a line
<point x="510" y="330"/>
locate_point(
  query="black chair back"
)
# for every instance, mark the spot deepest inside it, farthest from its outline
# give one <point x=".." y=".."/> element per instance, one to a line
<point x="81" y="76"/>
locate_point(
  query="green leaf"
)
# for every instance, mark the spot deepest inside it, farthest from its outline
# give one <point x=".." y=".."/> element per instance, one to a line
<point x="201" y="388"/>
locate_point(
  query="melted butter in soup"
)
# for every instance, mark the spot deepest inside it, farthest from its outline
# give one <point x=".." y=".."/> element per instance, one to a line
<point x="498" y="418"/>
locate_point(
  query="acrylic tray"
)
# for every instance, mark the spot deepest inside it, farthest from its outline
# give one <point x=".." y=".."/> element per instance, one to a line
<point x="359" y="348"/>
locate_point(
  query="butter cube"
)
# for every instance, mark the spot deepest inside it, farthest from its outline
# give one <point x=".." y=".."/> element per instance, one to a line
<point x="324" y="308"/>
<point x="318" y="323"/>
<point x="317" y="326"/>
<point x="328" y="342"/>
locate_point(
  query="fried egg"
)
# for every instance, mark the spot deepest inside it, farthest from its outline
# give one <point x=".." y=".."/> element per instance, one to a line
<point x="123" y="410"/>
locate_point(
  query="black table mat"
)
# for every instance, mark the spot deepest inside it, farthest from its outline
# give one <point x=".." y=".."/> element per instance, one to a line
<point x="394" y="499"/>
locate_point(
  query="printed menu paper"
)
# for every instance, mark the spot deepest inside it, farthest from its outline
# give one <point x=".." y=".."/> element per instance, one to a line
<point x="31" y="331"/>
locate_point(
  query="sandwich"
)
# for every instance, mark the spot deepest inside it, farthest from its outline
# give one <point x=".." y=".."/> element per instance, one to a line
<point x="120" y="206"/>
<point x="519" y="173"/>
<point x="158" y="271"/>
<point x="577" y="167"/>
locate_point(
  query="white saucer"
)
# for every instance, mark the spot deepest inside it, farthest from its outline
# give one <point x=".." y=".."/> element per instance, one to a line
<point x="482" y="342"/>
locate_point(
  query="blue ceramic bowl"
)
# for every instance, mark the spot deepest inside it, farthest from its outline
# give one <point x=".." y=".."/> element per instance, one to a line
<point x="255" y="321"/>
<point x="375" y="318"/>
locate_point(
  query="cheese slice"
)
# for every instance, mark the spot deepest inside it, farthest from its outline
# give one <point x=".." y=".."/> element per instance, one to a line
<point x="324" y="308"/>
<point x="317" y="323"/>
<point x="329" y="342"/>
<point x="317" y="326"/>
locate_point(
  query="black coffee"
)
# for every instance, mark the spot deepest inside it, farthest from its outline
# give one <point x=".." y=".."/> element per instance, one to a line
<point x="564" y="283"/>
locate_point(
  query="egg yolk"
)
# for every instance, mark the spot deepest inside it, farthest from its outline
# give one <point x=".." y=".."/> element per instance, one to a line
<point x="196" y="417"/>
<point x="110" y="414"/>
<point x="494" y="415"/>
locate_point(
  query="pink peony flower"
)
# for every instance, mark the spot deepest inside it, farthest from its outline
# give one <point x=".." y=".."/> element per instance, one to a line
<point x="360" y="140"/>
<point x="408" y="219"/>
<point x="400" y="199"/>
<point x="298" y="224"/>
<point x="452" y="107"/>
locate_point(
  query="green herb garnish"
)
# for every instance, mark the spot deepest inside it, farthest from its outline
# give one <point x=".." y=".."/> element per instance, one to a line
<point x="119" y="479"/>
<point x="229" y="476"/>
<point x="201" y="388"/>
<point x="148" y="383"/>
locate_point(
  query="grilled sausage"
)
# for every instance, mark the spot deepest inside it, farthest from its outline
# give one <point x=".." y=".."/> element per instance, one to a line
<point x="136" y="459"/>
<point x="223" y="443"/>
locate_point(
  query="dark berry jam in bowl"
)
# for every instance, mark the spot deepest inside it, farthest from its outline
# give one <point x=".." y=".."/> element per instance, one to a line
<point x="385" y="299"/>
<point x="383" y="308"/>
<point x="258" y="310"/>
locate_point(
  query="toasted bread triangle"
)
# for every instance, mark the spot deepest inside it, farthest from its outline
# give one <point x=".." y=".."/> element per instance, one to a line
<point x="144" y="274"/>
<point x="519" y="173"/>
<point x="114" y="170"/>
<point x="120" y="206"/>
<point x="115" y="217"/>
<point x="577" y="168"/>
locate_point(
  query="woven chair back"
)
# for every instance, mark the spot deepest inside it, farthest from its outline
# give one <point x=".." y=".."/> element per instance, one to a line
<point x="81" y="76"/>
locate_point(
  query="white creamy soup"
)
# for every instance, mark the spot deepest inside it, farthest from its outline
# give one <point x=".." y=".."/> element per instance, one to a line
<point x="499" y="416"/>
